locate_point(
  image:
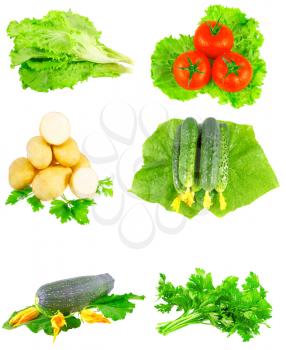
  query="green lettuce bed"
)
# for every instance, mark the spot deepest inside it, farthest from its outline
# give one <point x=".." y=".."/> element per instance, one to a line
<point x="250" y="174"/>
<point x="247" y="41"/>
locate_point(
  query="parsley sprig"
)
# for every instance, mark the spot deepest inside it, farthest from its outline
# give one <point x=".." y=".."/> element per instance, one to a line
<point x="18" y="195"/>
<point x="226" y="307"/>
<point x="76" y="209"/>
<point x="62" y="208"/>
<point x="105" y="187"/>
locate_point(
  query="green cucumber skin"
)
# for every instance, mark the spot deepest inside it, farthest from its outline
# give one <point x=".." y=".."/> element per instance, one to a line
<point x="210" y="154"/>
<point x="224" y="158"/>
<point x="73" y="294"/>
<point x="175" y="160"/>
<point x="188" y="152"/>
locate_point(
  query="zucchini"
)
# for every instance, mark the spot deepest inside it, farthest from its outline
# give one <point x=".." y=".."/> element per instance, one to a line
<point x="73" y="294"/>
<point x="188" y="156"/>
<point x="223" y="164"/>
<point x="210" y="157"/>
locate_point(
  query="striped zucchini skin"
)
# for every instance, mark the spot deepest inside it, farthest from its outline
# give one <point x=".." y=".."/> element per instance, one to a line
<point x="175" y="160"/>
<point x="188" y="152"/>
<point x="73" y="294"/>
<point x="210" y="154"/>
<point x="224" y="156"/>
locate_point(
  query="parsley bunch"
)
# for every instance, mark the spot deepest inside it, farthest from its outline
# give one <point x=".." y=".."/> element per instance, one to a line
<point x="64" y="209"/>
<point x="226" y="307"/>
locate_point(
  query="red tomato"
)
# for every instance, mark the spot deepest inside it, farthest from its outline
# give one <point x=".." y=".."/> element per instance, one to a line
<point x="213" y="39"/>
<point x="232" y="72"/>
<point x="192" y="70"/>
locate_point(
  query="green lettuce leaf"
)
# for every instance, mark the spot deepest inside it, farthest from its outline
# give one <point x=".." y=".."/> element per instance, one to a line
<point x="250" y="174"/>
<point x="52" y="75"/>
<point x="61" y="49"/>
<point x="247" y="41"/>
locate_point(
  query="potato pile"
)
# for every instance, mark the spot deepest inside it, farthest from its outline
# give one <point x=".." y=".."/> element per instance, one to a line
<point x="53" y="162"/>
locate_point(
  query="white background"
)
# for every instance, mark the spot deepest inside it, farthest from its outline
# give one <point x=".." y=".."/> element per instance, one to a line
<point x="36" y="249"/>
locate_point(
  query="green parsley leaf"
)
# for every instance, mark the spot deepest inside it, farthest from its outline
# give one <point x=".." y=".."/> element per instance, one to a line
<point x="105" y="187"/>
<point x="76" y="209"/>
<point x="35" y="203"/>
<point x="61" y="210"/>
<point x="80" y="209"/>
<point x="26" y="193"/>
<point x="115" y="307"/>
<point x="17" y="195"/>
<point x="226" y="307"/>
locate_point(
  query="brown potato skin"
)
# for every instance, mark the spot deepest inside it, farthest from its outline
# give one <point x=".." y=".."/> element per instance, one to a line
<point x="39" y="152"/>
<point x="51" y="182"/>
<point x="67" y="154"/>
<point x="21" y="173"/>
<point x="82" y="163"/>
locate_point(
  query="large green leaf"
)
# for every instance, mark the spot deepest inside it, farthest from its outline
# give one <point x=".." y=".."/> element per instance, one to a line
<point x="114" y="306"/>
<point x="247" y="41"/>
<point x="250" y="174"/>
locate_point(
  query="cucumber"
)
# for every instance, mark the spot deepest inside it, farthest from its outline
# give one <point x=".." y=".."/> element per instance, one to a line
<point x="188" y="152"/>
<point x="175" y="160"/>
<point x="187" y="158"/>
<point x="73" y="294"/>
<point x="175" y="170"/>
<point x="210" y="157"/>
<point x="223" y="164"/>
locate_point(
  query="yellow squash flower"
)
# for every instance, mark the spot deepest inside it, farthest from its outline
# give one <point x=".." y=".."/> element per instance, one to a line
<point x="24" y="316"/>
<point x="58" y="322"/>
<point x="90" y="316"/>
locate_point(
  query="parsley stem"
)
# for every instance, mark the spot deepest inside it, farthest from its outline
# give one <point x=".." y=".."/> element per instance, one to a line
<point x="184" y="320"/>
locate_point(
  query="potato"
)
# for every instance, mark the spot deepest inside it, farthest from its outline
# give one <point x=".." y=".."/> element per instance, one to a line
<point x="84" y="183"/>
<point x="51" y="182"/>
<point x="67" y="154"/>
<point x="55" y="128"/>
<point x="21" y="173"/>
<point x="39" y="152"/>
<point x="82" y="163"/>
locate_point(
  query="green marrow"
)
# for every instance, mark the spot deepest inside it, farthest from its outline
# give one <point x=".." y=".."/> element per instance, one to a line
<point x="73" y="294"/>
<point x="223" y="164"/>
<point x="210" y="158"/>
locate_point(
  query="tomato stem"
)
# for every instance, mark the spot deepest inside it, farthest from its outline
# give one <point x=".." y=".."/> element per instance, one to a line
<point x="192" y="68"/>
<point x="232" y="67"/>
<point x="216" y="28"/>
